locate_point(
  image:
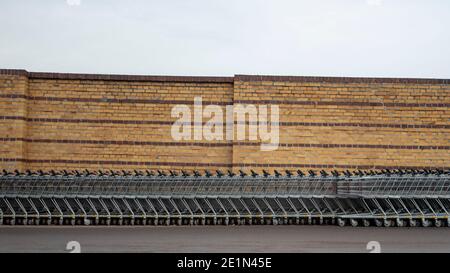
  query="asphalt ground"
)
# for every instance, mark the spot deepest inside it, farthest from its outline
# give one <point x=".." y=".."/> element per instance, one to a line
<point x="223" y="239"/>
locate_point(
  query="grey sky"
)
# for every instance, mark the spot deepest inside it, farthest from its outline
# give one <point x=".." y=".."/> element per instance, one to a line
<point x="393" y="38"/>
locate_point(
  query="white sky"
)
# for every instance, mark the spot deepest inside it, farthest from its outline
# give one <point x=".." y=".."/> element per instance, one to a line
<point x="393" y="38"/>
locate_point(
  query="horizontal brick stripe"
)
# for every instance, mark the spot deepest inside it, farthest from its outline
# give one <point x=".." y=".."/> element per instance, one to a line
<point x="161" y="122"/>
<point x="225" y="165"/>
<point x="109" y="100"/>
<point x="256" y="102"/>
<point x="116" y="142"/>
<point x="357" y="146"/>
<point x="226" y="144"/>
<point x="344" y="103"/>
<point x="115" y="77"/>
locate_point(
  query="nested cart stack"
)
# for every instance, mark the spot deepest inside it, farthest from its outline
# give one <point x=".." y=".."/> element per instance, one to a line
<point x="383" y="198"/>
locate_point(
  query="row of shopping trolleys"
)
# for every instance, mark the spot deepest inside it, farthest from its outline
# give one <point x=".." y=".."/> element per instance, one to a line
<point x="224" y="210"/>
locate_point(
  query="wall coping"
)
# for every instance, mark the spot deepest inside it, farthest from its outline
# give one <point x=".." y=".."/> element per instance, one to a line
<point x="317" y="79"/>
<point x="116" y="77"/>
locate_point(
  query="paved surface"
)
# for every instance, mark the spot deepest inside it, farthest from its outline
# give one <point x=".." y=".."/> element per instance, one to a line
<point x="223" y="239"/>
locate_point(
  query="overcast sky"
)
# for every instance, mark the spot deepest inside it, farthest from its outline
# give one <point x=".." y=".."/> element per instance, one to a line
<point x="392" y="38"/>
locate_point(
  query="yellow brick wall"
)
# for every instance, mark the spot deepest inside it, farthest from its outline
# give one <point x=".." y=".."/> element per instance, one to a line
<point x="76" y="121"/>
<point x="421" y="110"/>
<point x="13" y="107"/>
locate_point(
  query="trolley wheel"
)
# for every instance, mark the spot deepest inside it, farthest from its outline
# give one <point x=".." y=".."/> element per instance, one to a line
<point x="413" y="223"/>
<point x="400" y="222"/>
<point x="378" y="223"/>
<point x="426" y="223"/>
<point x="387" y="223"/>
<point x="341" y="222"/>
<point x="438" y="223"/>
<point x="353" y="222"/>
<point x="366" y="222"/>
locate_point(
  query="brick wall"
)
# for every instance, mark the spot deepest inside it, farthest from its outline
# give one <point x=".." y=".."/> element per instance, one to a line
<point x="80" y="121"/>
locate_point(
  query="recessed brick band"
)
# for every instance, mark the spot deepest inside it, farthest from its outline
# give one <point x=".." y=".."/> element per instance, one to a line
<point x="119" y="142"/>
<point x="343" y="103"/>
<point x="163" y="122"/>
<point x="108" y="100"/>
<point x="224" y="144"/>
<point x="256" y="102"/>
<point x="151" y="164"/>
